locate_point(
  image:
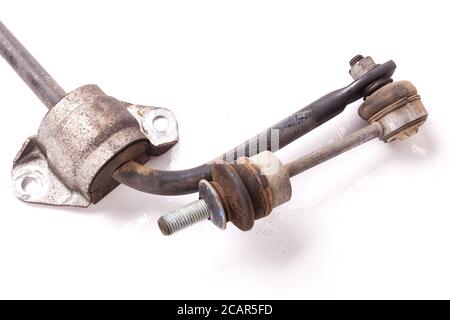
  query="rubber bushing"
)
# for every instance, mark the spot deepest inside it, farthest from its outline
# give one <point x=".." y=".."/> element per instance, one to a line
<point x="386" y="96"/>
<point x="256" y="185"/>
<point x="237" y="201"/>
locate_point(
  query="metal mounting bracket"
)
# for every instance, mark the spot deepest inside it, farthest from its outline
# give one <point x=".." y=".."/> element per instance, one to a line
<point x="81" y="141"/>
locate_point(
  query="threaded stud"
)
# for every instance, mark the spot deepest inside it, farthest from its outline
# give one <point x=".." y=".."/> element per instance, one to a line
<point x="184" y="217"/>
<point x="355" y="59"/>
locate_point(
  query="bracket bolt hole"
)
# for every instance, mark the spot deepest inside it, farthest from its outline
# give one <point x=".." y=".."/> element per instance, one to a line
<point x="30" y="184"/>
<point x="160" y="123"/>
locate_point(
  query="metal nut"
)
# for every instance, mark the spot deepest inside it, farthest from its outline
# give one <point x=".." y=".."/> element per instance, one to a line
<point x="361" y="66"/>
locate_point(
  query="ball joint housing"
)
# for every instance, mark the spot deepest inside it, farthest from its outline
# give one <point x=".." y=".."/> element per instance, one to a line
<point x="397" y="107"/>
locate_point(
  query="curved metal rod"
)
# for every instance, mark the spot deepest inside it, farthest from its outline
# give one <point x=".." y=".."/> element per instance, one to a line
<point x="162" y="182"/>
<point x="181" y="182"/>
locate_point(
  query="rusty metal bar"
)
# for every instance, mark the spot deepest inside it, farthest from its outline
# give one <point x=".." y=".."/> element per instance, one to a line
<point x="323" y="154"/>
<point x="31" y="72"/>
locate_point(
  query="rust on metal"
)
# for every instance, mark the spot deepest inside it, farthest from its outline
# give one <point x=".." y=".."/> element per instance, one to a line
<point x="384" y="97"/>
<point x="256" y="185"/>
<point x="238" y="202"/>
<point x="398" y="108"/>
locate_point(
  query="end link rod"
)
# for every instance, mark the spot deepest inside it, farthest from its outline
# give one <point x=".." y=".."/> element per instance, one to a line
<point x="330" y="151"/>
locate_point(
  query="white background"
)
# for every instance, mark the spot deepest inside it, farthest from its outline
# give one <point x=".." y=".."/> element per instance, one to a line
<point x="373" y="223"/>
